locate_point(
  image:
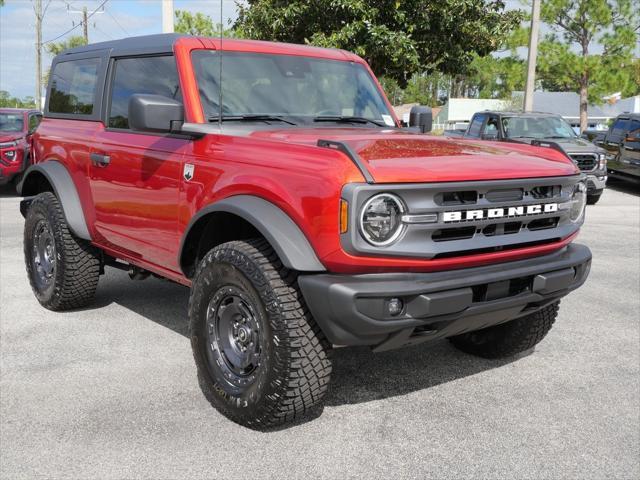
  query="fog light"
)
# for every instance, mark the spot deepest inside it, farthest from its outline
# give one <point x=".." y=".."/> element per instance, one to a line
<point x="395" y="306"/>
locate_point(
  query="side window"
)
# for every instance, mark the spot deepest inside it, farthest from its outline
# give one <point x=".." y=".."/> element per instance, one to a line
<point x="34" y="121"/>
<point x="634" y="126"/>
<point x="620" y="127"/>
<point x="151" y="75"/>
<point x="476" y="126"/>
<point x="73" y="86"/>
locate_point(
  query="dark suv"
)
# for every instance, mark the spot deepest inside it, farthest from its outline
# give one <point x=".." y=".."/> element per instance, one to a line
<point x="544" y="130"/>
<point x="622" y="141"/>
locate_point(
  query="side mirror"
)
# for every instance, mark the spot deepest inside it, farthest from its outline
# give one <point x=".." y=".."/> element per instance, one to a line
<point x="155" y="113"/>
<point x="489" y="136"/>
<point x="421" y="117"/>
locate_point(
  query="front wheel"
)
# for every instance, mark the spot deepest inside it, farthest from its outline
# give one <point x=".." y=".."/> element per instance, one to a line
<point x="261" y="358"/>
<point x="511" y="338"/>
<point x="593" y="199"/>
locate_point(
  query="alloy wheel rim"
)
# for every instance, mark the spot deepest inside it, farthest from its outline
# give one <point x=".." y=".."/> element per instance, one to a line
<point x="233" y="336"/>
<point x="44" y="254"/>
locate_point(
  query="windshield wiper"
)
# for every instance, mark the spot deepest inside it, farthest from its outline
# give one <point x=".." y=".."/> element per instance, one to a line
<point x="347" y="119"/>
<point x="252" y="118"/>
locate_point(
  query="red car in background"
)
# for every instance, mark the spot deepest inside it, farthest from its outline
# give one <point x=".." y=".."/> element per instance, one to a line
<point x="16" y="129"/>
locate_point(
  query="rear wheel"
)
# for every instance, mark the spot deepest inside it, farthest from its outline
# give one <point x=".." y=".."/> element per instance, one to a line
<point x="261" y="358"/>
<point x="509" y="338"/>
<point x="63" y="270"/>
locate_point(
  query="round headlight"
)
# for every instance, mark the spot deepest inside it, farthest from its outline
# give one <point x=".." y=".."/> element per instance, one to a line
<point x="578" y="202"/>
<point x="381" y="219"/>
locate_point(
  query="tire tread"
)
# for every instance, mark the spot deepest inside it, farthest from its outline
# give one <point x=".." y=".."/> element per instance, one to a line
<point x="511" y="338"/>
<point x="303" y="353"/>
<point x="77" y="262"/>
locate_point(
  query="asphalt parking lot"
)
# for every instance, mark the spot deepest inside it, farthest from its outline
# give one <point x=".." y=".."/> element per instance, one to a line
<point x="111" y="391"/>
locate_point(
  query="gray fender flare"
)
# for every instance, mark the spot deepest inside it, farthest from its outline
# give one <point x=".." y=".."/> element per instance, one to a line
<point x="64" y="188"/>
<point x="282" y="233"/>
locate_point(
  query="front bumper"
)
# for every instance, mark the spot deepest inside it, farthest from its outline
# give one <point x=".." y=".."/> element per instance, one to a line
<point x="352" y="309"/>
<point x="596" y="182"/>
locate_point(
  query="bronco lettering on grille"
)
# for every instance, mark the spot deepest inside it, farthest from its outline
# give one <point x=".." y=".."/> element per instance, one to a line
<point x="519" y="211"/>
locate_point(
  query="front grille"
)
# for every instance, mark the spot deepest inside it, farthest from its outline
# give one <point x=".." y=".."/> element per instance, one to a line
<point x="493" y="229"/>
<point x="585" y="161"/>
<point x="466" y="218"/>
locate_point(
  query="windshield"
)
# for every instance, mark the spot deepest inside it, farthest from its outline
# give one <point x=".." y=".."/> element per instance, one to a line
<point x="295" y="89"/>
<point x="537" y="127"/>
<point x="11" y="122"/>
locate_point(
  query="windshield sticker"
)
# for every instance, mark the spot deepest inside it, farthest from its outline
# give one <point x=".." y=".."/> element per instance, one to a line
<point x="388" y="119"/>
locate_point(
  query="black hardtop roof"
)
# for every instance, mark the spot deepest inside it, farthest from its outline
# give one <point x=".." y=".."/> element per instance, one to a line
<point x="159" y="43"/>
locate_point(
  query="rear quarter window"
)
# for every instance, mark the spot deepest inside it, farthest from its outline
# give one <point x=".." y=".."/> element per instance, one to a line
<point x="73" y="86"/>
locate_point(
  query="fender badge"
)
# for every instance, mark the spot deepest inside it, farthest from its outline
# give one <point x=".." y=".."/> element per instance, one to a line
<point x="187" y="173"/>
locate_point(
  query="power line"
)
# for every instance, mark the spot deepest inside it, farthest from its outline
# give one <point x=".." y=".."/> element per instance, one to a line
<point x="102" y="32"/>
<point x="76" y="26"/>
<point x="117" y="22"/>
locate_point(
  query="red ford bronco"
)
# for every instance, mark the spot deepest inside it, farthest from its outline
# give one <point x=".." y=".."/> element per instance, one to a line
<point x="16" y="131"/>
<point x="276" y="182"/>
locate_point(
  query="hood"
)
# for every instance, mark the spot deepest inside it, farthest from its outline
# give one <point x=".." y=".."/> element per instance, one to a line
<point x="10" y="137"/>
<point x="395" y="156"/>
<point x="568" y="145"/>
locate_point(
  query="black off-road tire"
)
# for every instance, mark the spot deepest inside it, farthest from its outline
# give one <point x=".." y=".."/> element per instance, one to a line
<point x="593" y="199"/>
<point x="77" y="265"/>
<point x="511" y="338"/>
<point x="294" y="367"/>
<point x="15" y="181"/>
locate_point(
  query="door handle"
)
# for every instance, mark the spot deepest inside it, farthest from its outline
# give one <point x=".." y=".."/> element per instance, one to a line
<point x="100" y="160"/>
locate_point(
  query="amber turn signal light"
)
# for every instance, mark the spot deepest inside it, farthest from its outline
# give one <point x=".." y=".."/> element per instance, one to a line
<point x="344" y="216"/>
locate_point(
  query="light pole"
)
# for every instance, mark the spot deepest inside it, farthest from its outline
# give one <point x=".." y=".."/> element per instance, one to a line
<point x="532" y="57"/>
<point x="85" y="21"/>
<point x="167" y="16"/>
<point x="38" y="10"/>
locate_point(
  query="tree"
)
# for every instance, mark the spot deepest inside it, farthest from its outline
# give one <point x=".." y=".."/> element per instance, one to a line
<point x="59" y="47"/>
<point x="392" y="90"/>
<point x="567" y="60"/>
<point x="397" y="38"/>
<point x="8" y="101"/>
<point x="199" y="24"/>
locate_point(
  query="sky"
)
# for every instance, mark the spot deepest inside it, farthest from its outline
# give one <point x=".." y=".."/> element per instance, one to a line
<point x="121" y="18"/>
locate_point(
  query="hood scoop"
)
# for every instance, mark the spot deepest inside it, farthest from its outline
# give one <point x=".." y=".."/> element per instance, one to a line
<point x="349" y="152"/>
